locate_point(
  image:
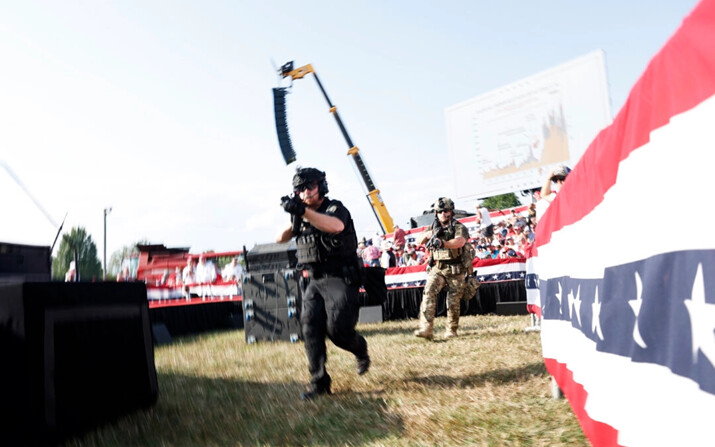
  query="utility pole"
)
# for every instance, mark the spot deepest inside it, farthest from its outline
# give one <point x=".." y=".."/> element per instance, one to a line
<point x="104" y="271"/>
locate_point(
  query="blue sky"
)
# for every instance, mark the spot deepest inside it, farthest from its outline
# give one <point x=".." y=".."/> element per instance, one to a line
<point x="163" y="110"/>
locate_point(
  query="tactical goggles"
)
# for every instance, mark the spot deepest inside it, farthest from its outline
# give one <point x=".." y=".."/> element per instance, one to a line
<point x="309" y="185"/>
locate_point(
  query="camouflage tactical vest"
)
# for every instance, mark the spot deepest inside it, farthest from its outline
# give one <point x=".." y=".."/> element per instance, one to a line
<point x="446" y="254"/>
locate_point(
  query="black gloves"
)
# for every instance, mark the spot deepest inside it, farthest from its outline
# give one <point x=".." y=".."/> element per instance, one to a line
<point x="435" y="243"/>
<point x="293" y="205"/>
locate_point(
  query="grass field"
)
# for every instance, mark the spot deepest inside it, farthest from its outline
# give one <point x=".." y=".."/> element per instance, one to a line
<point x="488" y="387"/>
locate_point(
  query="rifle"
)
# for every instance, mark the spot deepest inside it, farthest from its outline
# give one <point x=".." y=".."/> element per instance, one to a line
<point x="435" y="242"/>
<point x="295" y="220"/>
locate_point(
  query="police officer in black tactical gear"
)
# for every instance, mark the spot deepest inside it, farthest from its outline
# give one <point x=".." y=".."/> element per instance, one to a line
<point x="327" y="250"/>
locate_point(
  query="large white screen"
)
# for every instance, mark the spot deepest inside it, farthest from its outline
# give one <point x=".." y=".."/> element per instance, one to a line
<point x="509" y="139"/>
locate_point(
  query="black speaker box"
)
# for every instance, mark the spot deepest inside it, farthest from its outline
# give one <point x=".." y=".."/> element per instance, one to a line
<point x="75" y="355"/>
<point x="24" y="263"/>
<point x="271" y="306"/>
<point x="277" y="324"/>
<point x="271" y="257"/>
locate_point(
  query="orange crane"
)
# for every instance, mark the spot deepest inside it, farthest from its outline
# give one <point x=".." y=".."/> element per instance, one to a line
<point x="373" y="194"/>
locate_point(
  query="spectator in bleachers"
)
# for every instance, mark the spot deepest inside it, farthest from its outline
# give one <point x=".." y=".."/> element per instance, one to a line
<point x="483" y="252"/>
<point x="485" y="222"/>
<point x="510" y="230"/>
<point x="508" y="245"/>
<point x="188" y="276"/>
<point x="405" y="256"/>
<point x="399" y="255"/>
<point x="531" y="214"/>
<point x="413" y="256"/>
<point x="360" y="249"/>
<point x="518" y="230"/>
<point x="521" y="221"/>
<point x="421" y="254"/>
<point x="529" y="234"/>
<point x="402" y="260"/>
<point x="413" y="259"/>
<point x="205" y="271"/>
<point x="399" y="239"/>
<point x="371" y="255"/>
<point x="503" y="230"/>
<point x="495" y="250"/>
<point x="512" y="217"/>
<point x="233" y="271"/>
<point x="499" y="233"/>
<point x="177" y="277"/>
<point x="388" y="258"/>
<point x="523" y="245"/>
<point x="556" y="177"/>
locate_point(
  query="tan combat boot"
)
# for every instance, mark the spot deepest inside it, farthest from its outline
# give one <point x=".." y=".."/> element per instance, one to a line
<point x="451" y="333"/>
<point x="424" y="333"/>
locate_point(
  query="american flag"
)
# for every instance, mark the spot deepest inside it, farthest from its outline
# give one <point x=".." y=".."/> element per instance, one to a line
<point x="628" y="324"/>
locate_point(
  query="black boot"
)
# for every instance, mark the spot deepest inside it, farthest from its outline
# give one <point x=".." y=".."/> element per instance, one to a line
<point x="312" y="394"/>
<point x="363" y="364"/>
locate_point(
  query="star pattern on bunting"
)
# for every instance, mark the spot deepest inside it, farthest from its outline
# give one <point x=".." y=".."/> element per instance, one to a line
<point x="570" y="297"/>
<point x="702" y="319"/>
<point x="596" y="317"/>
<point x="575" y="301"/>
<point x="636" y="307"/>
<point x="672" y="297"/>
<point x="559" y="296"/>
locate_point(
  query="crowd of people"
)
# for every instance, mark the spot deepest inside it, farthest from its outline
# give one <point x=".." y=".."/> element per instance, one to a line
<point x="202" y="271"/>
<point x="509" y="238"/>
<point x="197" y="271"/>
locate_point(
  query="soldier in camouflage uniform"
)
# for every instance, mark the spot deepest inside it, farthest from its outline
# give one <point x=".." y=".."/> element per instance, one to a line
<point x="445" y="240"/>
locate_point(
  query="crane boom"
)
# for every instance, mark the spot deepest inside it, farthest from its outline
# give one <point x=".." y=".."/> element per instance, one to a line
<point x="373" y="194"/>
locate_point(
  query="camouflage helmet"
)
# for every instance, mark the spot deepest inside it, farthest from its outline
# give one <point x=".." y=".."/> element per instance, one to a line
<point x="303" y="176"/>
<point x="443" y="204"/>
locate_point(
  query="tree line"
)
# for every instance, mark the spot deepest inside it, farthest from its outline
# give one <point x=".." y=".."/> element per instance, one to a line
<point x="78" y="245"/>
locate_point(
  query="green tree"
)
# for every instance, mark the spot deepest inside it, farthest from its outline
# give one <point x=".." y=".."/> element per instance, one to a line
<point x="89" y="266"/>
<point x="116" y="260"/>
<point x="501" y="202"/>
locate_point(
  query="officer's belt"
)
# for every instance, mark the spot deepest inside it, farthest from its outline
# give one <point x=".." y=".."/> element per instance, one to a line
<point x="449" y="261"/>
<point x="322" y="272"/>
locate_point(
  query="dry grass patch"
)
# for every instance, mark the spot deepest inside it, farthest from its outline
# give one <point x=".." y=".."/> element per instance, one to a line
<point x="488" y="387"/>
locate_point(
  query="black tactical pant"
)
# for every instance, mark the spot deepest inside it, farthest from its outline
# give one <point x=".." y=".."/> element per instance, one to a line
<point x="330" y="307"/>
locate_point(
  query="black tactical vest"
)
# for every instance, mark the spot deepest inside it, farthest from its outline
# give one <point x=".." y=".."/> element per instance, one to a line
<point x="329" y="250"/>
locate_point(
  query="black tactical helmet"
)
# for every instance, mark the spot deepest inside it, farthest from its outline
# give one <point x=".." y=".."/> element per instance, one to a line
<point x="443" y="204"/>
<point x="303" y="176"/>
